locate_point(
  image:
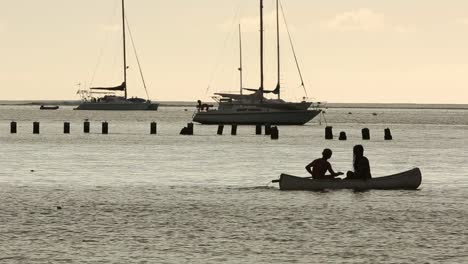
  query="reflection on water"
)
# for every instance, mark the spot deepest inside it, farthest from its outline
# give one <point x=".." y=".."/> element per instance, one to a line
<point x="130" y="197"/>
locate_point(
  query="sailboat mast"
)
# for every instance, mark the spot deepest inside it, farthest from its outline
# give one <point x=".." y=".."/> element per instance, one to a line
<point x="278" y="86"/>
<point x="124" y="48"/>
<point x="261" y="49"/>
<point x="240" y="65"/>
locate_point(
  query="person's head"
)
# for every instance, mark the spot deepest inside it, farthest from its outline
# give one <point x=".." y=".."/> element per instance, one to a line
<point x="358" y="151"/>
<point x="327" y="153"/>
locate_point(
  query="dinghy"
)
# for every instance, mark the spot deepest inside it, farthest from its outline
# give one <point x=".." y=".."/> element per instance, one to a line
<point x="44" y="107"/>
<point x="408" y="180"/>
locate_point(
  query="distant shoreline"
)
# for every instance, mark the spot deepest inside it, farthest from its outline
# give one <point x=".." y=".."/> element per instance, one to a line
<point x="324" y="105"/>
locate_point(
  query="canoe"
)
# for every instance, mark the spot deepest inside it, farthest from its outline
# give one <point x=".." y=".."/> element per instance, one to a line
<point x="408" y="180"/>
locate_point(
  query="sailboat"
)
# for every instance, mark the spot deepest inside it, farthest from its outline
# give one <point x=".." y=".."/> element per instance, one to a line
<point x="254" y="108"/>
<point x="116" y="98"/>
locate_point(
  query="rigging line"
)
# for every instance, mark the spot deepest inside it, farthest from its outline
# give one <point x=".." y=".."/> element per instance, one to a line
<point x="137" y="58"/>
<point x="222" y="52"/>
<point x="293" y="49"/>
<point x="101" y="54"/>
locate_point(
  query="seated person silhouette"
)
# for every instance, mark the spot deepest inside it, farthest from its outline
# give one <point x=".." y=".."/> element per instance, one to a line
<point x="360" y="164"/>
<point x="319" y="167"/>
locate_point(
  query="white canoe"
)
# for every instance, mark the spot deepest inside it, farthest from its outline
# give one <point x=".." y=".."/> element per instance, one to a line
<point x="409" y="180"/>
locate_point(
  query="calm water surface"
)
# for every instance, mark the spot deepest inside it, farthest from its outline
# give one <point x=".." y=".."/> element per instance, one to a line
<point x="129" y="197"/>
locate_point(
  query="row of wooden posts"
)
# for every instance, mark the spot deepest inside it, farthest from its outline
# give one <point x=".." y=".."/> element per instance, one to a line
<point x="67" y="126"/>
<point x="271" y="131"/>
<point x="188" y="130"/>
<point x="365" y="134"/>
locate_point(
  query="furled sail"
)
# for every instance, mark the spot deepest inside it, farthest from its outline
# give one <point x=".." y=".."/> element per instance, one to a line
<point x="116" y="88"/>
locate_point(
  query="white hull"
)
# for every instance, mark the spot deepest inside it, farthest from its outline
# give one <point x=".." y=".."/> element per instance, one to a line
<point x="298" y="117"/>
<point x="118" y="106"/>
<point x="409" y="180"/>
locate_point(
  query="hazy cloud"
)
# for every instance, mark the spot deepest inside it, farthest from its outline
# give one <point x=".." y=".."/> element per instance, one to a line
<point x="364" y="20"/>
<point x="357" y="20"/>
<point x="250" y="24"/>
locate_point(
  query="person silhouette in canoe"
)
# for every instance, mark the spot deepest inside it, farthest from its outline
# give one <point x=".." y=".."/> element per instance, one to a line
<point x="360" y="164"/>
<point x="319" y="167"/>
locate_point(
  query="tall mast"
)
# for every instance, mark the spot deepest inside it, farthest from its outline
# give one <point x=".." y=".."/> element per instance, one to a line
<point x="124" y="48"/>
<point x="240" y="53"/>
<point x="278" y="49"/>
<point x="261" y="49"/>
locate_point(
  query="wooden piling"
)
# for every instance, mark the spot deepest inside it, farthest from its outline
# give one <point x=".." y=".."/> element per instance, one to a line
<point x="274" y="133"/>
<point x="343" y="136"/>
<point x="234" y="130"/>
<point x="154" y="128"/>
<point x="220" y="129"/>
<point x="86" y="127"/>
<point x="268" y="130"/>
<point x="329" y="133"/>
<point x="13" y="127"/>
<point x="388" y="134"/>
<point x="36" y="128"/>
<point x="188" y="130"/>
<point x="258" y="129"/>
<point x="66" y="128"/>
<point x="365" y="134"/>
<point x="105" y="128"/>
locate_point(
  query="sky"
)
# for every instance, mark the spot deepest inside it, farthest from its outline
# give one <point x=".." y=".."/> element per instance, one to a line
<point x="349" y="51"/>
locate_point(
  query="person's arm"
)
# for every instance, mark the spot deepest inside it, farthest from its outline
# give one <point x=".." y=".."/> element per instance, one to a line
<point x="332" y="172"/>
<point x="309" y="167"/>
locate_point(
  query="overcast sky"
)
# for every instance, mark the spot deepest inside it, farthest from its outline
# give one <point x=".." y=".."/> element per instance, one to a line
<point x="405" y="51"/>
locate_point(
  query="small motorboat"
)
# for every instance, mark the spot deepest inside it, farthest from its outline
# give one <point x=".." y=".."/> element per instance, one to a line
<point x="408" y="180"/>
<point x="44" y="107"/>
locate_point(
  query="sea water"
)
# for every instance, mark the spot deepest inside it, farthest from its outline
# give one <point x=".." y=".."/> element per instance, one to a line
<point x="132" y="197"/>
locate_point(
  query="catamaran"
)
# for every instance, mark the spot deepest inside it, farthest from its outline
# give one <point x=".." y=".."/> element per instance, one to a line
<point x="116" y="98"/>
<point x="254" y="108"/>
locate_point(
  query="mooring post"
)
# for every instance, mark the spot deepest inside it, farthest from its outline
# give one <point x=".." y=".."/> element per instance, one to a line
<point x="267" y="130"/>
<point x="66" y="128"/>
<point x="365" y="134"/>
<point x="188" y="130"/>
<point x="234" y="130"/>
<point x="154" y="128"/>
<point x="220" y="129"/>
<point x="274" y="133"/>
<point x="36" y="126"/>
<point x="105" y="128"/>
<point x="343" y="136"/>
<point x="86" y="127"/>
<point x="258" y="129"/>
<point x="388" y="134"/>
<point x="329" y="132"/>
<point x="13" y="127"/>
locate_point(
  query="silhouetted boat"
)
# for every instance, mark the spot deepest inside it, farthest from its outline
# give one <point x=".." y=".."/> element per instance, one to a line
<point x="248" y="109"/>
<point x="43" y="107"/>
<point x="111" y="101"/>
<point x="409" y="180"/>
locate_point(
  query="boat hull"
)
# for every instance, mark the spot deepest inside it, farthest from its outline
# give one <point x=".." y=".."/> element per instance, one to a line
<point x="215" y="117"/>
<point x="409" y="180"/>
<point x="49" y="107"/>
<point x="118" y="106"/>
